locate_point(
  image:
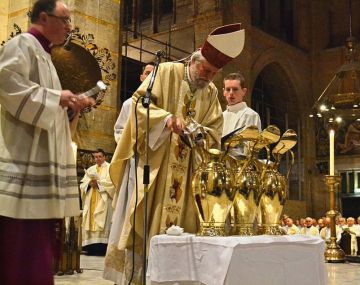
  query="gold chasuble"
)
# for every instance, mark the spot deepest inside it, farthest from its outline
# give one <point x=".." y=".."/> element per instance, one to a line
<point x="172" y="163"/>
<point x="95" y="197"/>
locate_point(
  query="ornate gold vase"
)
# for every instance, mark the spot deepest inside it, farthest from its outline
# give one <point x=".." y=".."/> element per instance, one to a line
<point x="213" y="192"/>
<point x="247" y="176"/>
<point x="272" y="200"/>
<point x="274" y="187"/>
<point x="246" y="201"/>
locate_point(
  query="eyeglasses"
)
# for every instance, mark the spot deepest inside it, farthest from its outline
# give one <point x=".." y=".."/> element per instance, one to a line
<point x="65" y="20"/>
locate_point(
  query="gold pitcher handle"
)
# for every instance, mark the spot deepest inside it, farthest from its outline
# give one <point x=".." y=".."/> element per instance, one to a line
<point x="267" y="154"/>
<point x="291" y="165"/>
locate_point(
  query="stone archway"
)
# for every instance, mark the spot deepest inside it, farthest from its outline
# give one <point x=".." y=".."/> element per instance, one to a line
<point x="274" y="98"/>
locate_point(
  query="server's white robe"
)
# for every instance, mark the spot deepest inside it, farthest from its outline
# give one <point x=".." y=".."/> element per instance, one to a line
<point x="37" y="166"/>
<point x="238" y="115"/>
<point x="102" y="214"/>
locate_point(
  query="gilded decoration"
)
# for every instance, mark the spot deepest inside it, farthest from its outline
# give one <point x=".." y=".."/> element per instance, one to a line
<point x="233" y="192"/>
<point x="181" y="150"/>
<point x="13" y="34"/>
<point x="80" y="64"/>
<point x="175" y="189"/>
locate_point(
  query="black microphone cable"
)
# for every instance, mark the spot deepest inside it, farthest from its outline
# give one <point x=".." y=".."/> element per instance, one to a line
<point x="136" y="155"/>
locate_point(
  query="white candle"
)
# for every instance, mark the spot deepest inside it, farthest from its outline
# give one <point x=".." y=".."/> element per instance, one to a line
<point x="74" y="149"/>
<point x="332" y="163"/>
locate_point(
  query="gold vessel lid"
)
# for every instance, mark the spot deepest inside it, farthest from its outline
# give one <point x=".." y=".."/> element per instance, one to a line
<point x="77" y="68"/>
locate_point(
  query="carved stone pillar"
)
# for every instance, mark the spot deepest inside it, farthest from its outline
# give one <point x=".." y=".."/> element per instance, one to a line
<point x="4" y="11"/>
<point x="102" y="20"/>
<point x="13" y="12"/>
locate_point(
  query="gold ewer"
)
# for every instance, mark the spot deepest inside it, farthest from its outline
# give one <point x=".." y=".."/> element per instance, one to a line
<point x="274" y="187"/>
<point x="246" y="201"/>
<point x="213" y="192"/>
<point x="211" y="182"/>
<point x="246" y="181"/>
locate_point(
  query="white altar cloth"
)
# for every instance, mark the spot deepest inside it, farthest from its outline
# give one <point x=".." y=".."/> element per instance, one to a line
<point x="235" y="260"/>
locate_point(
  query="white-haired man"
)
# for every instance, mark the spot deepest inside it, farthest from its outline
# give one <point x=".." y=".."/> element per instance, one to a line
<point x="309" y="229"/>
<point x="181" y="92"/>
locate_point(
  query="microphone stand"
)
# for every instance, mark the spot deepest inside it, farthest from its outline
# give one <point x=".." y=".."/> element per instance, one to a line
<point x="146" y="178"/>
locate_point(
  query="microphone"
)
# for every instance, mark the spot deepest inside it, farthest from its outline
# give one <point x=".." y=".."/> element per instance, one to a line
<point x="160" y="53"/>
<point x="146" y="98"/>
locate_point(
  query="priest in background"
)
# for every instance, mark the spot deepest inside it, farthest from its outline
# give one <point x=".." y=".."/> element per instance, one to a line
<point x="309" y="229"/>
<point x="97" y="192"/>
<point x="325" y="232"/>
<point x="290" y="228"/>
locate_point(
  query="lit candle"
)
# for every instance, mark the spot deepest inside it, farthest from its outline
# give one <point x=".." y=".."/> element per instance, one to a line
<point x="74" y="149"/>
<point x="331" y="136"/>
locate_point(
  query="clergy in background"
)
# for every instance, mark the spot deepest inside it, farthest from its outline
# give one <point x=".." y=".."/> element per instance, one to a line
<point x="97" y="192"/>
<point x="309" y="229"/>
<point x="325" y="232"/>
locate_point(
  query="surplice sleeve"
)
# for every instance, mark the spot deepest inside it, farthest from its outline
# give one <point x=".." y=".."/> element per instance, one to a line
<point x="23" y="98"/>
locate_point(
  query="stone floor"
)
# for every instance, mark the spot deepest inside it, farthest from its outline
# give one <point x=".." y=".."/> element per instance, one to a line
<point x="92" y="273"/>
<point x="343" y="273"/>
<point x="338" y="273"/>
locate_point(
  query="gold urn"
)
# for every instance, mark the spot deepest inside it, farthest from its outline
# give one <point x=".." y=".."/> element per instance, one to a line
<point x="214" y="194"/>
<point x="274" y="186"/>
<point x="249" y="142"/>
<point x="273" y="196"/>
<point x="246" y="200"/>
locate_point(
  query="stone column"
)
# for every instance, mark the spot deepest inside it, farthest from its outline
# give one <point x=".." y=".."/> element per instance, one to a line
<point x="13" y="12"/>
<point x="4" y="18"/>
<point x="102" y="19"/>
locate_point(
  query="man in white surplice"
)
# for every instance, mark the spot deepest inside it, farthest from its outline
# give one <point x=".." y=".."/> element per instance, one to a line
<point x="237" y="113"/>
<point x="38" y="185"/>
<point x="129" y="174"/>
<point x="325" y="232"/>
<point x="126" y="107"/>
<point x="97" y="192"/>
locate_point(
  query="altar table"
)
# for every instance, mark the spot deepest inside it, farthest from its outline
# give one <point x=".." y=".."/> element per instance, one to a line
<point x="236" y="260"/>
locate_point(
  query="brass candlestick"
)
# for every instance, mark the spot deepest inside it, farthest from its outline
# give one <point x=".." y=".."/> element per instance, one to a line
<point x="333" y="252"/>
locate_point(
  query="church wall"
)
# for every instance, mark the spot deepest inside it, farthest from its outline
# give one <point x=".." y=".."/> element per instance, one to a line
<point x="102" y="19"/>
<point x="13" y="12"/>
<point x="295" y="209"/>
<point x="4" y="18"/>
<point x="302" y="25"/>
<point x="265" y="50"/>
<point x="330" y="27"/>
